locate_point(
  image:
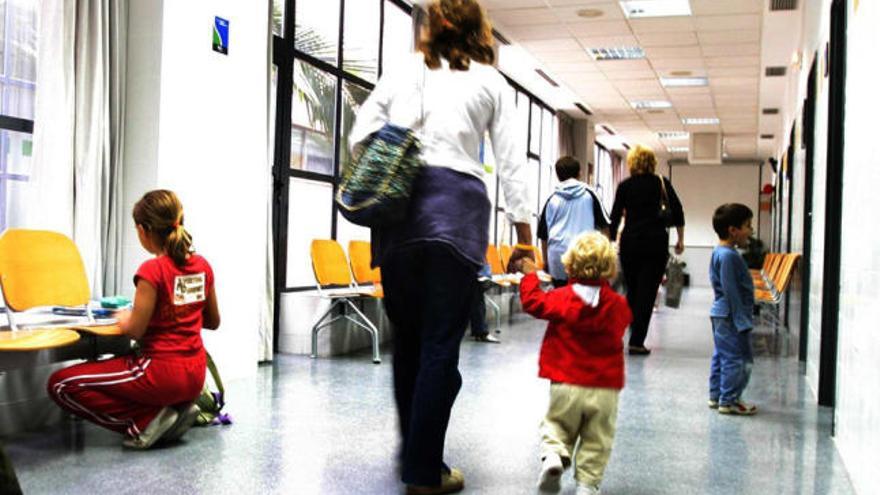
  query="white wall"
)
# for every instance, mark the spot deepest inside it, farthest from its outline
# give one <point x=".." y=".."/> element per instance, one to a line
<point x="211" y="148"/>
<point x="858" y="406"/>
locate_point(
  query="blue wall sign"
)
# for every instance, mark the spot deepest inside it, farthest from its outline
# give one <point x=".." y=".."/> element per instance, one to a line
<point x="221" y="35"/>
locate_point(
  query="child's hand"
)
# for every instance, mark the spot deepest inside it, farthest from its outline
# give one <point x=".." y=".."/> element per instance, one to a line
<point x="527" y="265"/>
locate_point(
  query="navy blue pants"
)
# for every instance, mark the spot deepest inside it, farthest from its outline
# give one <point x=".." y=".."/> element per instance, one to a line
<point x="429" y="293"/>
<point x="643" y="273"/>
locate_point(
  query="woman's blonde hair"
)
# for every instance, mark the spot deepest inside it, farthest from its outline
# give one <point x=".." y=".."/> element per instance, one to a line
<point x="160" y="213"/>
<point x="641" y="160"/>
<point x="459" y="31"/>
<point x="590" y="257"/>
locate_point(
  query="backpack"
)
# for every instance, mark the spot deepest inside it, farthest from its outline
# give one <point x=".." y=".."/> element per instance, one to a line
<point x="211" y="403"/>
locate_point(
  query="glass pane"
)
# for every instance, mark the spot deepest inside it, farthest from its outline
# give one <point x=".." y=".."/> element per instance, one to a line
<point x="533" y="183"/>
<point x="397" y="43"/>
<point x="309" y="214"/>
<point x="18" y="151"/>
<point x="549" y="142"/>
<point x="278" y="17"/>
<point x="522" y="110"/>
<point x="12" y="203"/>
<point x="360" y="50"/>
<point x="21" y="55"/>
<point x="352" y="98"/>
<point x="347" y="231"/>
<point x="535" y="136"/>
<point x="313" y="116"/>
<point x="317" y="29"/>
<point x="2" y="35"/>
<point x="273" y="112"/>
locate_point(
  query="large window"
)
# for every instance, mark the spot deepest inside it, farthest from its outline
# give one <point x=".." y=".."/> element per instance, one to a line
<point x="328" y="56"/>
<point x="604" y="175"/>
<point x="18" y="75"/>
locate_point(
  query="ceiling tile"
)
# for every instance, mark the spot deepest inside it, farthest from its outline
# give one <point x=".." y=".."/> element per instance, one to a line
<point x="667" y="39"/>
<point x="611" y="12"/>
<point x="551" y="45"/>
<point x="678" y="24"/>
<point x="621" y="65"/>
<point x="523" y="17"/>
<point x="628" y="75"/>
<point x="680" y="92"/>
<point x="735" y="82"/>
<point x="660" y="52"/>
<point x="748" y="61"/>
<point x="726" y="37"/>
<point x="731" y="50"/>
<point x="572" y="67"/>
<point x="597" y="28"/>
<point x="728" y="22"/>
<point x="720" y="7"/>
<point x="678" y="64"/>
<point x="567" y="3"/>
<point x="571" y="56"/>
<point x="492" y="5"/>
<point x="733" y="72"/>
<point x="536" y="32"/>
<point x="607" y="41"/>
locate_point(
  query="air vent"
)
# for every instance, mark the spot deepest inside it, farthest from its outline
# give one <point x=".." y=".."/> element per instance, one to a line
<point x="767" y="136"/>
<point x="705" y="148"/>
<point x="625" y="146"/>
<point x="656" y="110"/>
<point x="608" y="130"/>
<point x="583" y="109"/>
<point x="547" y="78"/>
<point x="617" y="53"/>
<point x="783" y="5"/>
<point x="770" y="111"/>
<point x="775" y="71"/>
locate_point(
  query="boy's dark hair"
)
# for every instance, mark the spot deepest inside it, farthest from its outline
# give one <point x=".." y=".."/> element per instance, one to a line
<point x="730" y="215"/>
<point x="568" y="167"/>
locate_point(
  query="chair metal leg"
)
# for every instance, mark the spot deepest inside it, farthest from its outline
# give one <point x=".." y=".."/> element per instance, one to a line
<point x="497" y="310"/>
<point x="319" y="325"/>
<point x="369" y="327"/>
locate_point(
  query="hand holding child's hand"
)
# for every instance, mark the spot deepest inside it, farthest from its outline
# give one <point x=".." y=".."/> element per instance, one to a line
<point x="527" y="265"/>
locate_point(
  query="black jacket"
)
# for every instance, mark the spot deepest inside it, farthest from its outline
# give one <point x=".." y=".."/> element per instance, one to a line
<point x="639" y="197"/>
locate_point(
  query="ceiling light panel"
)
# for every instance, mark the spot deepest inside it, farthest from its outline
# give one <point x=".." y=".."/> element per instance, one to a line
<point x="673" y="135"/>
<point x="617" y="53"/>
<point x="650" y="104"/>
<point x="677" y="149"/>
<point x="700" y="121"/>
<point x="636" y="9"/>
<point x="680" y="82"/>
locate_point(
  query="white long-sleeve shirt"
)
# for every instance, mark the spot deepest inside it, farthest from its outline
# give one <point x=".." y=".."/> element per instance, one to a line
<point x="458" y="108"/>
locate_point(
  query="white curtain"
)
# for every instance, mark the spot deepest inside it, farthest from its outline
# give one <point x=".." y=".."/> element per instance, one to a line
<point x="267" y="308"/>
<point x="76" y="179"/>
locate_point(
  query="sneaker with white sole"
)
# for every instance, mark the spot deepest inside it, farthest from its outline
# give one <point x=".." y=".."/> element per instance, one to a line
<point x="738" y="408"/>
<point x="163" y="422"/>
<point x="584" y="489"/>
<point x="551" y="473"/>
<point x="713" y="404"/>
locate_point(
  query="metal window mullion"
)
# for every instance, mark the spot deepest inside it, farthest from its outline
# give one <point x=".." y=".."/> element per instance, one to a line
<point x="381" y="36"/>
<point x="337" y="128"/>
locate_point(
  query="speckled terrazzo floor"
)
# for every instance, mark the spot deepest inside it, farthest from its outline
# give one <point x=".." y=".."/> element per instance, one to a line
<point x="328" y="427"/>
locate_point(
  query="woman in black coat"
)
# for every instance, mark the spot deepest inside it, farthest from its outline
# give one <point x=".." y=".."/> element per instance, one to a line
<point x="650" y="206"/>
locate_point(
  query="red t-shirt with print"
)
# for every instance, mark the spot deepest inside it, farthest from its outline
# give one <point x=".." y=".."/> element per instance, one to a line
<point x="181" y="292"/>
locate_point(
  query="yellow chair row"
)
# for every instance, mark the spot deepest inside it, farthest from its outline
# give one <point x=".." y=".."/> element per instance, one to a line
<point x="771" y="282"/>
<point x="37" y="269"/>
<point x="334" y="271"/>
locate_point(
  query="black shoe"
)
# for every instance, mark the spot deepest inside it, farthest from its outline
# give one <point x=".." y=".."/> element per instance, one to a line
<point x="486" y="339"/>
<point x="639" y="350"/>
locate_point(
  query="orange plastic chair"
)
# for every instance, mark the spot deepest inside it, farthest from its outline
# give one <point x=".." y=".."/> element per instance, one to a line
<point x="41" y="268"/>
<point x="771" y="298"/>
<point x="494" y="260"/>
<point x="331" y="268"/>
<point x="505" y="252"/>
<point x="360" y="257"/>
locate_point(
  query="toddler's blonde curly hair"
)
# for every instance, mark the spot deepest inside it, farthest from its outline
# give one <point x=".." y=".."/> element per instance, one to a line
<point x="590" y="257"/>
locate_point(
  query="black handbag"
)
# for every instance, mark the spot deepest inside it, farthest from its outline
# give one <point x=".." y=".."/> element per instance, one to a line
<point x="665" y="212"/>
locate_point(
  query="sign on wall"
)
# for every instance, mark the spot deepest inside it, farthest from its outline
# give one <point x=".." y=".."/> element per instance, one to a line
<point x="221" y="35"/>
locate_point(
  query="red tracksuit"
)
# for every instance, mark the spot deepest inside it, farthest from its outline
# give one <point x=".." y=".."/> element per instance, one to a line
<point x="124" y="394"/>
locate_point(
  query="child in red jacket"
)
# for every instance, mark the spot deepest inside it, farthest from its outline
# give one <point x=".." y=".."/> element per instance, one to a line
<point x="582" y="356"/>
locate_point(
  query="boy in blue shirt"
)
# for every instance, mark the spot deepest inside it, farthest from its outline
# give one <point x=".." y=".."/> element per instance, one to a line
<point x="731" y="311"/>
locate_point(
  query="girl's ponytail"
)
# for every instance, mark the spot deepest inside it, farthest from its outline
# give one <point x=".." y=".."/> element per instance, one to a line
<point x="160" y="213"/>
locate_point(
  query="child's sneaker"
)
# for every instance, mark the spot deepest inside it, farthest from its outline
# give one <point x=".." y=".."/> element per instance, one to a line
<point x="551" y="473"/>
<point x="163" y="422"/>
<point x="738" y="408"/>
<point x="587" y="490"/>
<point x="713" y="404"/>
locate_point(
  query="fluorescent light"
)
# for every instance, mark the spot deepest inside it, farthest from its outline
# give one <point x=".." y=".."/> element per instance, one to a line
<point x="682" y="82"/>
<point x="673" y="135"/>
<point x="634" y="9"/>
<point x="646" y="104"/>
<point x="677" y="149"/>
<point x="617" y="53"/>
<point x="700" y="121"/>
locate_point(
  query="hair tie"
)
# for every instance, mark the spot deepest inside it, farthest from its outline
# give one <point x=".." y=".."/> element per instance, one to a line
<point x="446" y="23"/>
<point x="175" y="225"/>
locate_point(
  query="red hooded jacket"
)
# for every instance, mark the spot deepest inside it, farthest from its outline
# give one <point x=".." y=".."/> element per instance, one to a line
<point x="583" y="344"/>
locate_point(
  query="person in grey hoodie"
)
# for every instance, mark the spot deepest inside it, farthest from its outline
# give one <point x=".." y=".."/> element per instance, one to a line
<point x="574" y="208"/>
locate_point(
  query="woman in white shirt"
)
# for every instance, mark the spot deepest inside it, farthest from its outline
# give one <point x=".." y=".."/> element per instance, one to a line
<point x="451" y="96"/>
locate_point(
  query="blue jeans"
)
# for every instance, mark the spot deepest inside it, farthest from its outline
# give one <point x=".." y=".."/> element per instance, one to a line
<point x="732" y="361"/>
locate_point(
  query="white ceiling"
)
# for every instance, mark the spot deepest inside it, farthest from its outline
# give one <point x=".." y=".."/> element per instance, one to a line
<point x="728" y="41"/>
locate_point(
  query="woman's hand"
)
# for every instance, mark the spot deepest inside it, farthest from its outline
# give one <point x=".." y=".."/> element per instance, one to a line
<point x="527" y="266"/>
<point x="520" y="253"/>
<point x="679" y="247"/>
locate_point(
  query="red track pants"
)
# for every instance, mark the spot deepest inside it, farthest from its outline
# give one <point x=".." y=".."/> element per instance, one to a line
<point x="124" y="394"/>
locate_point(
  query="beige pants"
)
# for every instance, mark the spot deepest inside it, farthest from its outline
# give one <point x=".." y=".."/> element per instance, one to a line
<point x="584" y="417"/>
